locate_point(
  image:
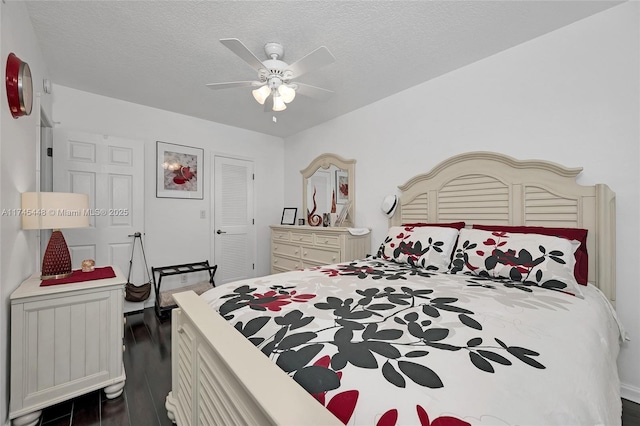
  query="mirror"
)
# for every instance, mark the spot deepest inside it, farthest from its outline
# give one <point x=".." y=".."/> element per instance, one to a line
<point x="327" y="175"/>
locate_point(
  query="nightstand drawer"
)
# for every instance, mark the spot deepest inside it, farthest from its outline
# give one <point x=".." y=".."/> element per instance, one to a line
<point x="320" y="255"/>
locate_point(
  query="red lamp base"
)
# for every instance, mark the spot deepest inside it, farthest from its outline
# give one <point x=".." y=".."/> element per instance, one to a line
<point x="56" y="262"/>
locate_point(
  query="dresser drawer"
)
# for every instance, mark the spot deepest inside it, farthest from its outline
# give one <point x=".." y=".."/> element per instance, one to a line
<point x="286" y="249"/>
<point x="302" y="238"/>
<point x="327" y="240"/>
<point x="320" y="255"/>
<point x="299" y="247"/>
<point x="280" y="235"/>
<point x="286" y="263"/>
<point x="311" y="264"/>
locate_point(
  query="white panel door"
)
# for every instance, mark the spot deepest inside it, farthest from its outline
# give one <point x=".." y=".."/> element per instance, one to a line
<point x="233" y="223"/>
<point x="46" y="177"/>
<point x="111" y="171"/>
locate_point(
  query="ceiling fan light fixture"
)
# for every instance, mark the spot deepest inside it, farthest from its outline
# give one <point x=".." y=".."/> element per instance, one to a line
<point x="261" y="94"/>
<point x="286" y="93"/>
<point x="275" y="86"/>
<point x="278" y="103"/>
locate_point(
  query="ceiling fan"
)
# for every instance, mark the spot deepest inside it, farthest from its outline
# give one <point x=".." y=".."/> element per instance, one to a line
<point x="275" y="86"/>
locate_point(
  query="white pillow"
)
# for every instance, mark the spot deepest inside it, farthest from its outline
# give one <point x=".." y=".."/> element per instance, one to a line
<point x="427" y="247"/>
<point x="534" y="259"/>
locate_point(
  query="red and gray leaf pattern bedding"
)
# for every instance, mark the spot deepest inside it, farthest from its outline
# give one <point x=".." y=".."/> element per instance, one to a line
<point x="380" y="343"/>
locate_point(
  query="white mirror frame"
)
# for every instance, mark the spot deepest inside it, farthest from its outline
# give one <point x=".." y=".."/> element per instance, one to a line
<point x="325" y="161"/>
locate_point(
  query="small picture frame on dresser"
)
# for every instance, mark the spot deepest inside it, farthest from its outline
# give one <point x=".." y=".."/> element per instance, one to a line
<point x="289" y="216"/>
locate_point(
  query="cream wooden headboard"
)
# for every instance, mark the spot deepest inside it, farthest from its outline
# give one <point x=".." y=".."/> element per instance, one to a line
<point x="491" y="188"/>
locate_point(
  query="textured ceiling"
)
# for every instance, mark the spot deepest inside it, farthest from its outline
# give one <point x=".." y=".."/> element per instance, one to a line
<point x="162" y="53"/>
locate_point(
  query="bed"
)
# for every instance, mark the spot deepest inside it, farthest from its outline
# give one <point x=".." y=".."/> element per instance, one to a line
<point x="445" y="324"/>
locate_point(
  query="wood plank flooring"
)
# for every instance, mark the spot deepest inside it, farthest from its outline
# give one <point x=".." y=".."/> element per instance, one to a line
<point x="630" y="413"/>
<point x="147" y="362"/>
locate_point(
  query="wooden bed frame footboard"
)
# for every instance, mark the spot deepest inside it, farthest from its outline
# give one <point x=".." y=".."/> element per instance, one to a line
<point x="220" y="379"/>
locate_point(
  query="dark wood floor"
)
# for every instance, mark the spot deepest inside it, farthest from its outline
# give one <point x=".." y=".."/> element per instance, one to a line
<point x="147" y="361"/>
<point x="630" y="413"/>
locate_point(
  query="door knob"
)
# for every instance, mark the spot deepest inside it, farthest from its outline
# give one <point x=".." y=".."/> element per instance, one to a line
<point x="220" y="232"/>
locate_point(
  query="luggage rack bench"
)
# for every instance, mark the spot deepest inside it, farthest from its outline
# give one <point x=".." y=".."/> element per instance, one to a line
<point x="164" y="299"/>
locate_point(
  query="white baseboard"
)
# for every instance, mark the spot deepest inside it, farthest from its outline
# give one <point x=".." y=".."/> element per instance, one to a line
<point x="631" y="393"/>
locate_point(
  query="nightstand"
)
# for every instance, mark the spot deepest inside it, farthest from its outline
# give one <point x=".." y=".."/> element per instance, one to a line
<point x="66" y="340"/>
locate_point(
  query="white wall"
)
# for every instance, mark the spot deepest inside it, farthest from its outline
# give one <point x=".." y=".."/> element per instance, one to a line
<point x="175" y="233"/>
<point x="570" y="96"/>
<point x="17" y="173"/>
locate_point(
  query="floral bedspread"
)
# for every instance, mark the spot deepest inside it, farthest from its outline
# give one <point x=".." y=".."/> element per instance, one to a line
<point x="379" y="343"/>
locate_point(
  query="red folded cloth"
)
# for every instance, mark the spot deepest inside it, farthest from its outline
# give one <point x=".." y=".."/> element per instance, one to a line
<point x="79" y="276"/>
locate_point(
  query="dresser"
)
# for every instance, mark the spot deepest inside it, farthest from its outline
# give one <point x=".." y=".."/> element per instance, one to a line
<point x="298" y="247"/>
<point x="66" y="340"/>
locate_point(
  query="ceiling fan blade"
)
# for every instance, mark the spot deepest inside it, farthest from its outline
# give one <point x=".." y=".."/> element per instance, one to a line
<point x="313" y="91"/>
<point x="237" y="47"/>
<point x="314" y="60"/>
<point x="231" y="84"/>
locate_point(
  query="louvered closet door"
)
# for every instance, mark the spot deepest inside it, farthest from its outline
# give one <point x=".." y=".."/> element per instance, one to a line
<point x="233" y="225"/>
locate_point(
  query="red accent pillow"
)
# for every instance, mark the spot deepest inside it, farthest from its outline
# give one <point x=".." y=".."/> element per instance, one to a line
<point x="456" y="225"/>
<point x="581" y="270"/>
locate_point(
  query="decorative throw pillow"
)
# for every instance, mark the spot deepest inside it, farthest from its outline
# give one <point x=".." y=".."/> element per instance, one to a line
<point x="532" y="259"/>
<point x="581" y="270"/>
<point x="427" y="247"/>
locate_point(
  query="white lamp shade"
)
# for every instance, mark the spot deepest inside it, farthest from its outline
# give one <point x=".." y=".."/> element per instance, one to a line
<point x="278" y="104"/>
<point x="54" y="210"/>
<point x="261" y="94"/>
<point x="286" y="93"/>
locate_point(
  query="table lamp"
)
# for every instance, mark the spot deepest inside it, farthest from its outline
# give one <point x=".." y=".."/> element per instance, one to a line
<point x="55" y="210"/>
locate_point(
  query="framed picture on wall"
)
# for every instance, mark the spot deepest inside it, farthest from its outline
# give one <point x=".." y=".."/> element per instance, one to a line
<point x="179" y="171"/>
<point x="342" y="186"/>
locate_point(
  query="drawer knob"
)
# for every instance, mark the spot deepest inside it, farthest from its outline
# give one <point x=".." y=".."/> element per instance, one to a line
<point x="305" y="253"/>
<point x="180" y="330"/>
<point x="333" y="258"/>
<point x="123" y="348"/>
<point x="275" y="260"/>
